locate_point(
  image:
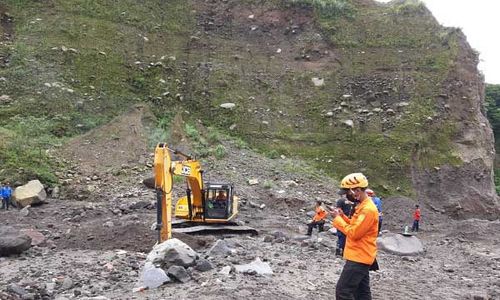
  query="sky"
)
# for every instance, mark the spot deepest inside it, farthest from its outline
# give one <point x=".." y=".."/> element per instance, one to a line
<point x="480" y="21"/>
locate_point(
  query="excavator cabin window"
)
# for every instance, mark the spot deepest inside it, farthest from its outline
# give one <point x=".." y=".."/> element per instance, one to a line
<point x="218" y="204"/>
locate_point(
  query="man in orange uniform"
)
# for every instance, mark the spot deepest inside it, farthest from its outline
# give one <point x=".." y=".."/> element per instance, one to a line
<point x="361" y="246"/>
<point x="318" y="219"/>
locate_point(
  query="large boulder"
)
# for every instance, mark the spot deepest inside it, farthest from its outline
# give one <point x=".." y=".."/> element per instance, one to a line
<point x="13" y="241"/>
<point x="172" y="252"/>
<point x="399" y="244"/>
<point x="29" y="194"/>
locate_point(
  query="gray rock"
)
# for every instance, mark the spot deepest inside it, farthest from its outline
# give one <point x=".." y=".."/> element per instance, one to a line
<point x="14" y="288"/>
<point x="37" y="238"/>
<point x="280" y="240"/>
<point x="279" y="234"/>
<point x="318" y="81"/>
<point x="348" y="123"/>
<point x="55" y="192"/>
<point x="306" y="243"/>
<point x="28" y="296"/>
<point x="332" y="230"/>
<point x="172" y="252"/>
<point x="31" y="193"/>
<point x="203" y="265"/>
<point x="301" y="237"/>
<point x="5" y="99"/>
<point x="399" y="244"/>
<point x="228" y="105"/>
<point x="25" y="211"/>
<point x="253" y="181"/>
<point x="149" y="182"/>
<point x="289" y="183"/>
<point x="139" y="205"/>
<point x="179" y="273"/>
<point x="153" y="277"/>
<point x="225" y="270"/>
<point x="327" y="242"/>
<point x="67" y="284"/>
<point x="311" y="213"/>
<point x="268" y="239"/>
<point x="220" y="248"/>
<point x="50" y="287"/>
<point x="253" y="204"/>
<point x="255" y="267"/>
<point x="13" y="241"/>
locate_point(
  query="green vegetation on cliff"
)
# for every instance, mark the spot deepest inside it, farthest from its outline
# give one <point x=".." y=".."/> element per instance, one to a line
<point x="69" y="66"/>
<point x="72" y="65"/>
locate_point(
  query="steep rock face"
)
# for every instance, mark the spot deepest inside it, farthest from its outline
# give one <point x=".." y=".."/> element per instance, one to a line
<point x="400" y="96"/>
<point x="467" y="189"/>
<point x="352" y="85"/>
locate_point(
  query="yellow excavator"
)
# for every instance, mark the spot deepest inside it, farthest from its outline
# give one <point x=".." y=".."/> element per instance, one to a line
<point x="206" y="208"/>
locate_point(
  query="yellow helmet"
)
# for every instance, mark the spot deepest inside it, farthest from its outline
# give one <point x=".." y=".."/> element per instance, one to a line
<point x="354" y="180"/>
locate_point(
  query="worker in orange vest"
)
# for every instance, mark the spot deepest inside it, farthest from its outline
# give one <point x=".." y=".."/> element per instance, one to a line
<point x="416" y="218"/>
<point x="318" y="219"/>
<point x="361" y="246"/>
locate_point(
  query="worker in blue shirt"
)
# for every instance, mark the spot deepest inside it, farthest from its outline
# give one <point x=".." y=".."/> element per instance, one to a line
<point x="6" y="194"/>
<point x="378" y="203"/>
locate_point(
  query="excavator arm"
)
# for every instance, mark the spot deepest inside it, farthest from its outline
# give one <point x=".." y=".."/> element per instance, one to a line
<point x="163" y="187"/>
<point x="165" y="168"/>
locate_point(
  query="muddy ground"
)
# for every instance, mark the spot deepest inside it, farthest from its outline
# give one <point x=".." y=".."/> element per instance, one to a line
<point x="104" y="208"/>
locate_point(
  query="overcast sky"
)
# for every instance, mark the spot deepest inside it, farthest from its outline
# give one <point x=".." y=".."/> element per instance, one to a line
<point x="480" y="21"/>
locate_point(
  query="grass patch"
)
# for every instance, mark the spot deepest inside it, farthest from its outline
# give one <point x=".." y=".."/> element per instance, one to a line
<point x="220" y="151"/>
<point x="328" y="8"/>
<point x="268" y="185"/>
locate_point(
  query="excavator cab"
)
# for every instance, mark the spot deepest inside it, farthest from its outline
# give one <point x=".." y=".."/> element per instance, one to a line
<point x="218" y="204"/>
<point x="218" y="201"/>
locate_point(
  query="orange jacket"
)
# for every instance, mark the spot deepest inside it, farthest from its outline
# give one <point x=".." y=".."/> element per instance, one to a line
<point x="416" y="214"/>
<point x="320" y="214"/>
<point x="361" y="231"/>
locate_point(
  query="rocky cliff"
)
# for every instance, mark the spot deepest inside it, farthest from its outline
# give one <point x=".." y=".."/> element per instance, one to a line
<point x="466" y="189"/>
<point x="349" y="85"/>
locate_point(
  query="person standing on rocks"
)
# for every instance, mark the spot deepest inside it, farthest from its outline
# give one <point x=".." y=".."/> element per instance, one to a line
<point x="416" y="218"/>
<point x="378" y="203"/>
<point x="6" y="194"/>
<point x="345" y="205"/>
<point x="318" y="219"/>
<point x="361" y="231"/>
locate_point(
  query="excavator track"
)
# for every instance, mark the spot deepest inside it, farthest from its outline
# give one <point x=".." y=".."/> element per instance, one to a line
<point x="181" y="226"/>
